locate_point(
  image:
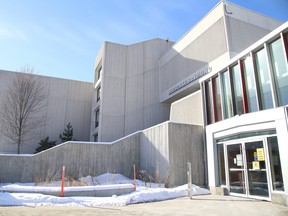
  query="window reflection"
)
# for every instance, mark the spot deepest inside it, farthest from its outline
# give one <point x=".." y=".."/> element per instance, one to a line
<point x="276" y="171"/>
<point x="221" y="165"/>
<point x="217" y="97"/>
<point x="209" y="109"/>
<point x="263" y="80"/>
<point x="279" y="71"/>
<point x="237" y="87"/>
<point x="250" y="85"/>
<point x="227" y="97"/>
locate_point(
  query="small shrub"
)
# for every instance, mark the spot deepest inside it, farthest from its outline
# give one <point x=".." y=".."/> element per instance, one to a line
<point x="45" y="144"/>
<point x="67" y="134"/>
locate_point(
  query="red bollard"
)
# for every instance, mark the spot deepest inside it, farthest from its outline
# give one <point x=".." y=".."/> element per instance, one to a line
<point x="134" y="167"/>
<point x="62" y="183"/>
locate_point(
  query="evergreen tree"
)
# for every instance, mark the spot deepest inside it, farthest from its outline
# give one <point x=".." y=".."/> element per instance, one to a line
<point x="67" y="135"/>
<point x="45" y="144"/>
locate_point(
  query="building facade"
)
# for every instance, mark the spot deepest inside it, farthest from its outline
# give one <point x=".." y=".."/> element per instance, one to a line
<point x="126" y="89"/>
<point x="245" y="106"/>
<point x="67" y="101"/>
<point x="227" y="76"/>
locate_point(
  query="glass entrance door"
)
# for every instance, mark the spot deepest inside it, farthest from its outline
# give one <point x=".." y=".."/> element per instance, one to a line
<point x="236" y="169"/>
<point x="256" y="169"/>
<point x="247" y="172"/>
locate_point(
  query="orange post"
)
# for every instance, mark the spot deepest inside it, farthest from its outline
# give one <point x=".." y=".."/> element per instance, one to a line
<point x="62" y="183"/>
<point x="134" y="167"/>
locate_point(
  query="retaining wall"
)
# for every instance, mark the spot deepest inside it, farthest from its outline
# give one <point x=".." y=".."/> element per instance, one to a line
<point x="161" y="152"/>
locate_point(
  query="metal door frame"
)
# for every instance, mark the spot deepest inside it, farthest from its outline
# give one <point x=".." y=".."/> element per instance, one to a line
<point x="242" y="143"/>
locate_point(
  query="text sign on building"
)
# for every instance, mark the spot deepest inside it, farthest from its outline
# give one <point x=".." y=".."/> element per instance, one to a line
<point x="190" y="79"/>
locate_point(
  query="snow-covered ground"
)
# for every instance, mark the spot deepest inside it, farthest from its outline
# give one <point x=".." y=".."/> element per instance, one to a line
<point x="145" y="192"/>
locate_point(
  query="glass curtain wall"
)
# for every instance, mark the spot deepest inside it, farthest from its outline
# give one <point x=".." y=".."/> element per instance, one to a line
<point x="209" y="107"/>
<point x="221" y="165"/>
<point x="247" y="86"/>
<point x="250" y="84"/>
<point x="237" y="89"/>
<point x="217" y="98"/>
<point x="279" y="71"/>
<point x="227" y="96"/>
<point x="275" y="163"/>
<point x="264" y="81"/>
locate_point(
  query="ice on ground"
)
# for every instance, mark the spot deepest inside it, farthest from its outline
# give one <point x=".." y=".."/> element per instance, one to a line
<point x="107" y="180"/>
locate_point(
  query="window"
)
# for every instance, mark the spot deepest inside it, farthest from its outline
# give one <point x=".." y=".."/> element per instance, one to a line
<point x="255" y="82"/>
<point x="227" y="97"/>
<point x="217" y="99"/>
<point x="250" y="84"/>
<point x="99" y="73"/>
<point x="237" y="90"/>
<point x="221" y="165"/>
<point x="275" y="162"/>
<point x="98" y="92"/>
<point x="280" y="72"/>
<point x="264" y="81"/>
<point x="96" y="118"/>
<point x="209" y="109"/>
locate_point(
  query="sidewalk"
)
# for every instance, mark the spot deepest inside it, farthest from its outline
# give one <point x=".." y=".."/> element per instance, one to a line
<point x="200" y="205"/>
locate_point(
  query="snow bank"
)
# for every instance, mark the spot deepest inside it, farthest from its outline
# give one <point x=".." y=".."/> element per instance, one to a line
<point x="142" y="194"/>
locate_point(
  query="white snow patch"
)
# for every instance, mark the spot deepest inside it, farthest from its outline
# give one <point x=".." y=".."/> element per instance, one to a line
<point x="105" y="181"/>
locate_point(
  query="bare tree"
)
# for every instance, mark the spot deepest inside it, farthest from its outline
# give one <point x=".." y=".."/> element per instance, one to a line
<point x="21" y="113"/>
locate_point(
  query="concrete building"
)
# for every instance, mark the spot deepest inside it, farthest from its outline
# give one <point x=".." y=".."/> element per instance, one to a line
<point x="67" y="101"/>
<point x="217" y="98"/>
<point x="126" y="89"/>
<point x="136" y="84"/>
<point x="245" y="109"/>
<point x="202" y="81"/>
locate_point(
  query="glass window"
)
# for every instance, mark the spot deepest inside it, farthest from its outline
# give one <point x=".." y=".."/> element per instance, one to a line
<point x="99" y="73"/>
<point x="98" y="93"/>
<point x="275" y="162"/>
<point x="209" y="110"/>
<point x="237" y="88"/>
<point x="250" y="85"/>
<point x="263" y="80"/>
<point x="96" y="118"/>
<point x="280" y="72"/>
<point x="221" y="165"/>
<point x="227" y="98"/>
<point x="217" y="98"/>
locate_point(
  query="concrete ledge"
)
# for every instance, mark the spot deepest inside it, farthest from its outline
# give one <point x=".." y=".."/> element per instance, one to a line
<point x="219" y="191"/>
<point x="69" y="192"/>
<point x="279" y="198"/>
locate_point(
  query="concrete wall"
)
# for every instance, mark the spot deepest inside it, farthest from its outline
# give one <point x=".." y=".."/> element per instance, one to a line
<point x="205" y="42"/>
<point x="217" y="38"/>
<point x="245" y="27"/>
<point x="166" y="149"/>
<point x="67" y="101"/>
<point x="188" y="110"/>
<point x="79" y="159"/>
<point x="161" y="151"/>
<point x="186" y="145"/>
<point x="112" y="103"/>
<point x="129" y="89"/>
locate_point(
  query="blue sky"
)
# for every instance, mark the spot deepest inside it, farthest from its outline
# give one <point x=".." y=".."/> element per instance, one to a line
<point x="61" y="38"/>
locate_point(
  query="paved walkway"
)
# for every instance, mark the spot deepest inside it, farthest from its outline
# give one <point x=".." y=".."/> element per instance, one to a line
<point x="200" y="205"/>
